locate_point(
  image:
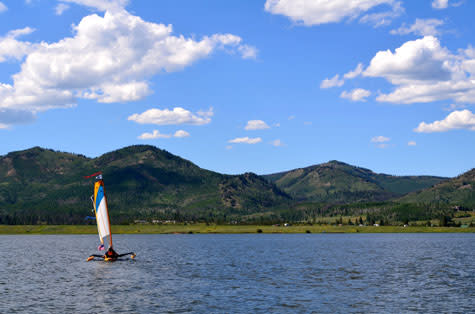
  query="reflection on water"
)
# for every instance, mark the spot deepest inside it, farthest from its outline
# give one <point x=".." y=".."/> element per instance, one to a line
<point x="241" y="273"/>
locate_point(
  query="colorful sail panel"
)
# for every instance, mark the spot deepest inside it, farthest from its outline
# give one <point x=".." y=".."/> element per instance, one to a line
<point x="102" y="213"/>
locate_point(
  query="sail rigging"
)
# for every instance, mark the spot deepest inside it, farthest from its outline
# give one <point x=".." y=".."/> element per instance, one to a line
<point x="102" y="212"/>
<point x="99" y="202"/>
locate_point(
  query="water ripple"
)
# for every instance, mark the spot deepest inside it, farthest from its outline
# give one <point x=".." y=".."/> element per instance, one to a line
<point x="377" y="273"/>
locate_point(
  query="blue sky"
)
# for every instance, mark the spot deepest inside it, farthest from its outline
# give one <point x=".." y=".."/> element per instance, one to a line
<point x="236" y="86"/>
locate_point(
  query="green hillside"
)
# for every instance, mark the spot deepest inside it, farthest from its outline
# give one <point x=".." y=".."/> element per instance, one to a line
<point x="144" y="182"/>
<point x="459" y="191"/>
<point x="337" y="182"/>
<point x="41" y="185"/>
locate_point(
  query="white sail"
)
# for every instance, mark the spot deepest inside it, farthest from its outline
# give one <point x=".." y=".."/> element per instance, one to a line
<point x="102" y="213"/>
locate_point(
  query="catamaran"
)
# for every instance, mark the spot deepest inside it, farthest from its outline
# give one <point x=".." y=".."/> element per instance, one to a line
<point x="99" y="202"/>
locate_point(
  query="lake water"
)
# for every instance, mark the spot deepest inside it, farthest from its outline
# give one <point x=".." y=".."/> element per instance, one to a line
<point x="259" y="273"/>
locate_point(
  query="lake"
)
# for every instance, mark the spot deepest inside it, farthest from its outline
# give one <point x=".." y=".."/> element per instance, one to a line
<point x="246" y="273"/>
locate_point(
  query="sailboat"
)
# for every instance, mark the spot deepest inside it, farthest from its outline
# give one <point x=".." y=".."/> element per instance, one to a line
<point x="99" y="202"/>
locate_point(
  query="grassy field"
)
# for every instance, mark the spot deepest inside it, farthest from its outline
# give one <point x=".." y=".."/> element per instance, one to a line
<point x="203" y="228"/>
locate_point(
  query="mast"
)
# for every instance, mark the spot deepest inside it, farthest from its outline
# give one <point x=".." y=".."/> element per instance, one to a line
<point x="108" y="218"/>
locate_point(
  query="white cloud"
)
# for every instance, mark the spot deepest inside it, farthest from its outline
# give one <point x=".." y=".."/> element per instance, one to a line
<point x="291" y="117"/>
<point x="3" y="7"/>
<point x="355" y="73"/>
<point x="9" y="117"/>
<point x="334" y="81"/>
<point x="109" y="58"/>
<point x="110" y="93"/>
<point x="11" y="48"/>
<point x="384" y="18"/>
<point x="380" y="139"/>
<point x="419" y="60"/>
<point x="463" y="119"/>
<point x="277" y="143"/>
<point x="172" y="117"/>
<point x="315" y="12"/>
<point x="245" y="140"/>
<point x="101" y="5"/>
<point x="181" y="133"/>
<point x="357" y="94"/>
<point x="256" y="125"/>
<point x="60" y="8"/>
<point x="228" y="147"/>
<point x="440" y="4"/>
<point x="422" y="27"/>
<point x="411" y="143"/>
<point x="248" y="52"/>
<point x="453" y="107"/>
<point x="424" y="71"/>
<point x="154" y="135"/>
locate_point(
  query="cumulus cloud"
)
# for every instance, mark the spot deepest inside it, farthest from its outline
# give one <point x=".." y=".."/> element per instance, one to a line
<point x="411" y="143"/>
<point x="380" y="141"/>
<point x="9" y="117"/>
<point x="245" y="140"/>
<point x="384" y="18"/>
<point x="453" y="107"/>
<point x="355" y="73"/>
<point x="315" y="12"/>
<point x="256" y="125"/>
<point x="357" y="94"/>
<point x="422" y="27"/>
<point x="172" y="117"/>
<point x="60" y="8"/>
<point x="101" y="5"/>
<point x="419" y="60"/>
<point x="463" y="119"/>
<point x="440" y="4"/>
<point x="334" y="81"/>
<point x="156" y="134"/>
<point x="11" y="48"/>
<point x="109" y="58"/>
<point x="181" y="133"/>
<point x="248" y="52"/>
<point x="337" y="82"/>
<point x="3" y="7"/>
<point x="424" y="71"/>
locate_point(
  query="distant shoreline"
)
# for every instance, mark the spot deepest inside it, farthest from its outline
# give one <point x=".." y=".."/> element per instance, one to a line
<point x="222" y="229"/>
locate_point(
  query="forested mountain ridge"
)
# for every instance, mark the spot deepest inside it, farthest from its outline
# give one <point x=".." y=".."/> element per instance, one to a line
<point x="40" y="185"/>
<point x="457" y="191"/>
<point x="338" y="182"/>
<point x="141" y="181"/>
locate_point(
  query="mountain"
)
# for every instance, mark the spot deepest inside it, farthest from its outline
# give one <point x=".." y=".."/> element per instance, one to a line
<point x="457" y="191"/>
<point x="42" y="185"/>
<point x="338" y="182"/>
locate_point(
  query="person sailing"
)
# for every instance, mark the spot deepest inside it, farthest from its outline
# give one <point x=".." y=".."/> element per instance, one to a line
<point x="111" y="255"/>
